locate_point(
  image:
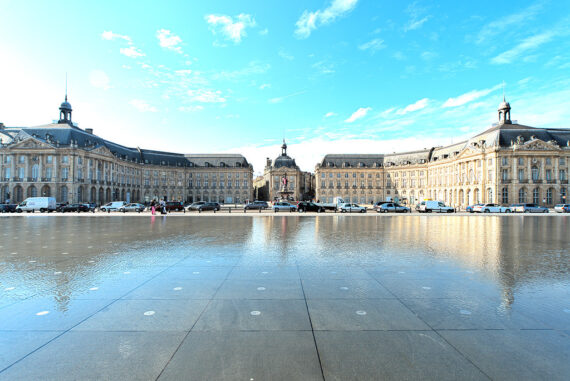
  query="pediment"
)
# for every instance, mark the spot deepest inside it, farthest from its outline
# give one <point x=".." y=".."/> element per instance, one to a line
<point x="539" y="145"/>
<point x="30" y="143"/>
<point x="102" y="150"/>
<point x="468" y="152"/>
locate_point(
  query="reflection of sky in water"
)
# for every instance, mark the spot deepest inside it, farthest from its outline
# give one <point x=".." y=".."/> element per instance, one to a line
<point x="520" y="258"/>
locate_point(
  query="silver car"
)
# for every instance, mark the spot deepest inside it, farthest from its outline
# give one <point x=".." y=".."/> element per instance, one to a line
<point x="133" y="207"/>
<point x="392" y="207"/>
<point x="283" y="205"/>
<point x="352" y="208"/>
<point x="491" y="208"/>
<point x="528" y="208"/>
<point x="562" y="208"/>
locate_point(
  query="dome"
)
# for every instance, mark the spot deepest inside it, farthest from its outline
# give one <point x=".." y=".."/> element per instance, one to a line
<point x="65" y="106"/>
<point x="284" y="161"/>
<point x="504" y="105"/>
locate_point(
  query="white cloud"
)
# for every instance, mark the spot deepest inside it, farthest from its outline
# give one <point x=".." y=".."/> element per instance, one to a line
<point x="99" y="79"/>
<point x="529" y="43"/>
<point x="373" y="45"/>
<point x="264" y="32"/>
<point x="310" y="21"/>
<point x="281" y="99"/>
<point x="283" y="54"/>
<point x="358" y="114"/>
<point x="469" y="97"/>
<point x="206" y="96"/>
<point x="230" y="29"/>
<point x="142" y="106"/>
<point x="329" y="114"/>
<point x="264" y="86"/>
<point x="422" y="103"/>
<point x="169" y="40"/>
<point x="417" y="18"/>
<point x="132" y="52"/>
<point x="324" y="67"/>
<point x="428" y="56"/>
<point x="497" y="27"/>
<point x="108" y="35"/>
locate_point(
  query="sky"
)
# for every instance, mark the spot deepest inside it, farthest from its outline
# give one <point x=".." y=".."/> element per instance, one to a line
<point x="329" y="76"/>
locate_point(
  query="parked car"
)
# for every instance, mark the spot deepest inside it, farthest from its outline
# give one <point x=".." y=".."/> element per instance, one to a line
<point x="435" y="206"/>
<point x="491" y="208"/>
<point x="92" y="206"/>
<point x="112" y="206"/>
<point x="528" y="208"/>
<point x="8" y="208"/>
<point x="283" y="205"/>
<point x="74" y="208"/>
<point x="256" y="205"/>
<point x="352" y="208"/>
<point x="132" y="207"/>
<point x="392" y="207"/>
<point x="174" y="206"/>
<point x="562" y="208"/>
<point x="196" y="205"/>
<point x="208" y="206"/>
<point x="306" y="206"/>
<point x="378" y="204"/>
<point x="42" y="204"/>
<point x="471" y="208"/>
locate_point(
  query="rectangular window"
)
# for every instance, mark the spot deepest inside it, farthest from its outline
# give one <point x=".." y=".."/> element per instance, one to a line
<point x="535" y="196"/>
<point x="49" y="159"/>
<point x="22" y="159"/>
<point x="521" y="174"/>
<point x="21" y="173"/>
<point x="65" y="160"/>
<point x="548" y="161"/>
<point x="505" y="174"/>
<point x="521" y="161"/>
<point x="548" y="175"/>
<point x="79" y="160"/>
<point x="64" y="173"/>
<point x="562" y="174"/>
<point x="7" y="173"/>
<point x="48" y="173"/>
<point x="562" y="161"/>
<point x="505" y="161"/>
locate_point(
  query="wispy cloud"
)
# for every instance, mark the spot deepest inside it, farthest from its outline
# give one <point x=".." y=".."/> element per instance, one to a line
<point x="231" y="29"/>
<point x="206" y="96"/>
<point x="417" y="17"/>
<point x="131" y="52"/>
<point x="252" y="68"/>
<point x="281" y="99"/>
<point x="264" y="86"/>
<point x="528" y="44"/>
<point x="469" y="97"/>
<point x="310" y="21"/>
<point x="168" y="40"/>
<point x="422" y="103"/>
<point x="330" y="114"/>
<point x="358" y="114"/>
<point x="142" y="106"/>
<point x="285" y="55"/>
<point x="192" y="108"/>
<point x="504" y="23"/>
<point x="324" y="67"/>
<point x="373" y="45"/>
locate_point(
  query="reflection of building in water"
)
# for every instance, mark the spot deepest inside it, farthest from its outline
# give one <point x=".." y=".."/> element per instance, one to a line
<point x="506" y="163"/>
<point x="72" y="164"/>
<point x="299" y="183"/>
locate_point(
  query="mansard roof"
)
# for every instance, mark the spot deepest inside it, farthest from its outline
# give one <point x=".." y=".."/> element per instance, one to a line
<point x="352" y="160"/>
<point x="64" y="135"/>
<point x="411" y="157"/>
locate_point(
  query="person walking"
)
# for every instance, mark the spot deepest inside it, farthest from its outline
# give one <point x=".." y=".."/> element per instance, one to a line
<point x="153" y="207"/>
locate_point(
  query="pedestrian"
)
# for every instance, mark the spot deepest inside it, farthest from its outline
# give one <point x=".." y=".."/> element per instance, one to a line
<point x="153" y="207"/>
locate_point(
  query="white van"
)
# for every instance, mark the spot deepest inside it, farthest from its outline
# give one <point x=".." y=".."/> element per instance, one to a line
<point x="434" y="206"/>
<point x="113" y="206"/>
<point x="31" y="204"/>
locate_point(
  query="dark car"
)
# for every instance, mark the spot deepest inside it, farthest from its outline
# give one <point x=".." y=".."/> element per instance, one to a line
<point x="91" y="206"/>
<point x="8" y="208"/>
<point x="306" y="206"/>
<point x="209" y="206"/>
<point x="74" y="208"/>
<point x="196" y="205"/>
<point x="174" y="206"/>
<point x="256" y="205"/>
<point x="60" y="205"/>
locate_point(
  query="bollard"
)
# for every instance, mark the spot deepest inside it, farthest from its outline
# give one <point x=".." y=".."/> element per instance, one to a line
<point x="108" y="210"/>
<point x="199" y="210"/>
<point x="244" y="210"/>
<point x="214" y="210"/>
<point x="230" y="209"/>
<point x="259" y="210"/>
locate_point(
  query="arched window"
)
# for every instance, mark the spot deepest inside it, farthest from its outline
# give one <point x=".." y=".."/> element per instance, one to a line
<point x="535" y="196"/>
<point x="535" y="173"/>
<point x="63" y="194"/>
<point x="490" y="195"/>
<point x="505" y="195"/>
<point x="549" y="196"/>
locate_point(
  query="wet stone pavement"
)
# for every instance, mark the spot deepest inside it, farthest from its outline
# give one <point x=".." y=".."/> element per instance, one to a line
<point x="285" y="298"/>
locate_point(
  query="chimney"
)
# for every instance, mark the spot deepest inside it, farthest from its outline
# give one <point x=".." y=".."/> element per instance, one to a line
<point x="89" y="131"/>
<point x="1" y="126"/>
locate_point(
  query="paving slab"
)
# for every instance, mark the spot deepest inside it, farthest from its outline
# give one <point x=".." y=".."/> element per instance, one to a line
<point x="515" y="355"/>
<point x="245" y="356"/>
<point x="362" y="314"/>
<point x="260" y="289"/>
<point x="14" y="345"/>
<point x="333" y="272"/>
<point x="469" y="313"/>
<point x="98" y="356"/>
<point x="344" y="289"/>
<point x="264" y="272"/>
<point x="254" y="315"/>
<point x="145" y="315"/>
<point x="165" y="288"/>
<point x="376" y="355"/>
<point x="439" y="288"/>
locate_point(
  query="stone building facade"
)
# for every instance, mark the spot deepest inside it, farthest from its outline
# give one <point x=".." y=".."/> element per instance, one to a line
<point x="74" y="165"/>
<point x="300" y="183"/>
<point x="507" y="163"/>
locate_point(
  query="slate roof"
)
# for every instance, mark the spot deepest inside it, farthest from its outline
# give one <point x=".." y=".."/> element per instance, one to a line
<point x="411" y="157"/>
<point x="352" y="160"/>
<point x="62" y="135"/>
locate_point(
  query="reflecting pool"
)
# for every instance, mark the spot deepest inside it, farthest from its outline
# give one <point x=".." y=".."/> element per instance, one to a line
<point x="285" y="297"/>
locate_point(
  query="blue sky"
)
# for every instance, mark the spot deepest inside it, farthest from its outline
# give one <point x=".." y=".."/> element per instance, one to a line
<point x="331" y="76"/>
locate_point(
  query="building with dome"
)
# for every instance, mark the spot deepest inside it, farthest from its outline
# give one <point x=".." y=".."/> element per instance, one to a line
<point x="283" y="171"/>
<point x="507" y="163"/>
<point x="72" y="164"/>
